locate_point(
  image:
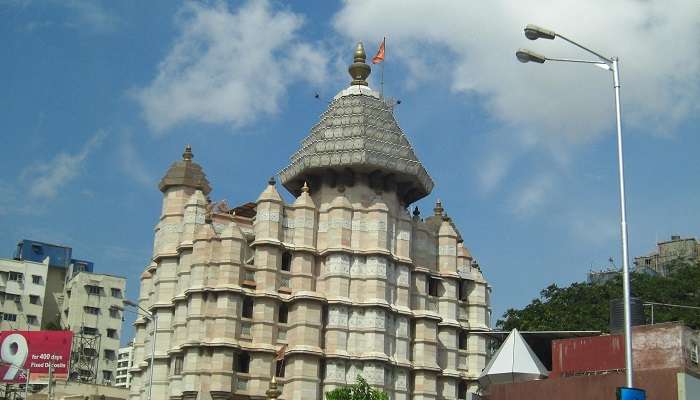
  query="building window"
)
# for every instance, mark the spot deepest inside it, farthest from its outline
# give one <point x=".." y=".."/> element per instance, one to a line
<point x="694" y="353"/>
<point x="247" y="311"/>
<point x="32" y="320"/>
<point x="462" y="340"/>
<point x="114" y="312"/>
<point x="86" y="330"/>
<point x="286" y="261"/>
<point x="13" y="297"/>
<point x="177" y="368"/>
<point x="92" y="289"/>
<point x="34" y="299"/>
<point x="111" y="333"/>
<point x="242" y="362"/>
<point x="433" y="284"/>
<point x="36" y="279"/>
<point x="117" y="293"/>
<point x="79" y="267"/>
<point x="462" y="390"/>
<point x="249" y="275"/>
<point x="279" y="369"/>
<point x="68" y="293"/>
<point x="16" y="276"/>
<point x="463" y="286"/>
<point x="282" y="313"/>
<point x="110" y="355"/>
<point x="106" y="375"/>
<point x="91" y="310"/>
<point x="9" y="317"/>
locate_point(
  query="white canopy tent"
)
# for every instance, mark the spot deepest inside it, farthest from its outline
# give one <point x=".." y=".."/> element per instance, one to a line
<point x="513" y="362"/>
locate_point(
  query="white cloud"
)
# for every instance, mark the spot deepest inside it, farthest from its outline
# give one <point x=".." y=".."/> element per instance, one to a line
<point x="532" y="196"/>
<point x="132" y="163"/>
<point x="229" y="66"/>
<point x="553" y="107"/>
<point x="48" y="177"/>
<point x="91" y="14"/>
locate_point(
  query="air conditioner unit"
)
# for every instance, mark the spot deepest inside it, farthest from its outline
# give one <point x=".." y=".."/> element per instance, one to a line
<point x="18" y="299"/>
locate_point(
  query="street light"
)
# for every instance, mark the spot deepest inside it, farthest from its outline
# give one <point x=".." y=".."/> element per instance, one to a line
<point x="534" y="32"/>
<point x="154" y="318"/>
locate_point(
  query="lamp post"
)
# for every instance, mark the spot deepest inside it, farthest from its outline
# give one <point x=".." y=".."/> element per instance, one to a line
<point x="534" y="32"/>
<point x="154" y="318"/>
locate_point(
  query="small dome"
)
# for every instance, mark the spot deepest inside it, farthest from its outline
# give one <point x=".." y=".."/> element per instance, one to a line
<point x="185" y="173"/>
<point x="270" y="193"/>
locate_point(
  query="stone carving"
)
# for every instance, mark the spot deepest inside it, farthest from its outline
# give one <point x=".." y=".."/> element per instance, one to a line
<point x="400" y="380"/>
<point x="335" y="370"/>
<point x="402" y="275"/>
<point x="447" y="250"/>
<point x="337" y="316"/>
<point x="338" y="264"/>
<point x="272" y="216"/>
<point x="193" y="215"/>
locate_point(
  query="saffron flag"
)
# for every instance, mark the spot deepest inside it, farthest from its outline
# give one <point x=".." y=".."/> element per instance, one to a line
<point x="380" y="53"/>
<point x="279" y="354"/>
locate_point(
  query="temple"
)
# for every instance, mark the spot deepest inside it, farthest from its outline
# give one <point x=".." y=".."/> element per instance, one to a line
<point x="341" y="282"/>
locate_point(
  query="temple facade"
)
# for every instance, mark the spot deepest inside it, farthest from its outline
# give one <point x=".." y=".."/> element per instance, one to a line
<point x="341" y="282"/>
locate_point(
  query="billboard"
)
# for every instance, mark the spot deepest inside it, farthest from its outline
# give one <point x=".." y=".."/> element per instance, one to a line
<point x="35" y="351"/>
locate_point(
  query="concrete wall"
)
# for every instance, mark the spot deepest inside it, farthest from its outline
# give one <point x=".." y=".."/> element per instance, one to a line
<point x="660" y="384"/>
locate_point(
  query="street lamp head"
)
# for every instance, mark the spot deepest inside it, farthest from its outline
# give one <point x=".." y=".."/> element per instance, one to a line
<point x="525" y="55"/>
<point x="534" y="32"/>
<point x="130" y="303"/>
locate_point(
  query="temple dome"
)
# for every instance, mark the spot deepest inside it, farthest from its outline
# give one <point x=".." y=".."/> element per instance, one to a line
<point x="185" y="173"/>
<point x="359" y="132"/>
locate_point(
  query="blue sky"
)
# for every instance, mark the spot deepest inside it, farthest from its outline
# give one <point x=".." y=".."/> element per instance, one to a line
<point x="100" y="97"/>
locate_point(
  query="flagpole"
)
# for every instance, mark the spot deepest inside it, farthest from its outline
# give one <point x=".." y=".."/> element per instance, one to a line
<point x="383" y="62"/>
<point x="382" y="93"/>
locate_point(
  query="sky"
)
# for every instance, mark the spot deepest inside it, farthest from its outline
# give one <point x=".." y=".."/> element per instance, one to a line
<point x="99" y="98"/>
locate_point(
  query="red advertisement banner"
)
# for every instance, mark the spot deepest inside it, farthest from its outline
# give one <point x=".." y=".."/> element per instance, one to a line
<point x="34" y="351"/>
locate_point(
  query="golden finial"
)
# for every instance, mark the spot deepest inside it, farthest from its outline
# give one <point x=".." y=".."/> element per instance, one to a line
<point x="272" y="392"/>
<point x="438" y="208"/>
<point x="305" y="188"/>
<point x="187" y="155"/>
<point x="359" y="71"/>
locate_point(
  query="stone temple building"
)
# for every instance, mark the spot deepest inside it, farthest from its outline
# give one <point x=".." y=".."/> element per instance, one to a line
<point x="343" y="281"/>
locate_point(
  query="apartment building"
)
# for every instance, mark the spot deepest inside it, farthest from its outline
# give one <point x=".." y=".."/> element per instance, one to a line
<point x="23" y="291"/>
<point x="667" y="252"/>
<point x="44" y="287"/>
<point x="125" y="361"/>
<point x="92" y="307"/>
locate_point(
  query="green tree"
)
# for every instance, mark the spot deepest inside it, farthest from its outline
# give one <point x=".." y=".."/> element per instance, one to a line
<point x="585" y="306"/>
<point x="360" y="390"/>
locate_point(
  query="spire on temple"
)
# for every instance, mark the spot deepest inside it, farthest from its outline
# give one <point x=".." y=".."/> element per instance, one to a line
<point x="359" y="70"/>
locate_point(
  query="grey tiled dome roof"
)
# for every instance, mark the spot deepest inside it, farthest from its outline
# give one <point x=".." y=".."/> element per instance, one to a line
<point x="359" y="132"/>
<point x="185" y="173"/>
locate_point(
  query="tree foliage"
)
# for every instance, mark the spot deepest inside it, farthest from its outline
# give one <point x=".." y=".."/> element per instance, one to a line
<point x="585" y="306"/>
<point x="360" y="390"/>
